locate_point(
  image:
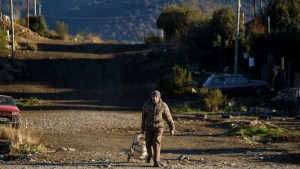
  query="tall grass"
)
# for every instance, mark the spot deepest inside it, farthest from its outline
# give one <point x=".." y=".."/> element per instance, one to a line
<point x="32" y="101"/>
<point x="22" y="140"/>
<point x="32" y="46"/>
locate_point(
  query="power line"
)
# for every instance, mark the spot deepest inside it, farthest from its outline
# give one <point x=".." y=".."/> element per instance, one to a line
<point x="129" y="4"/>
<point x="138" y="3"/>
<point x="99" y="18"/>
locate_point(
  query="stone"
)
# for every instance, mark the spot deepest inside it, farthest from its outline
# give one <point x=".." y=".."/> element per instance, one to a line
<point x="5" y="146"/>
<point x="183" y="158"/>
<point x="226" y="116"/>
<point x="71" y="149"/>
<point x="265" y="117"/>
<point x="60" y="149"/>
<point x="201" y="116"/>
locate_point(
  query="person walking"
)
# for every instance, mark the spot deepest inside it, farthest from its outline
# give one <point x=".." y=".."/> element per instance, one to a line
<point x="155" y="111"/>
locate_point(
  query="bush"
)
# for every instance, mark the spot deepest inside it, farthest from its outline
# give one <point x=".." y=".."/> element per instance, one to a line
<point x="87" y="37"/>
<point x="32" y="101"/>
<point x="152" y="38"/>
<point x="264" y="132"/>
<point x="38" y="24"/>
<point x="179" y="83"/>
<point x="32" y="46"/>
<point x="112" y="42"/>
<point x="62" y="29"/>
<point x="3" y="43"/>
<point x="52" y="34"/>
<point x="212" y="99"/>
<point x="22" y="22"/>
<point x="22" y="140"/>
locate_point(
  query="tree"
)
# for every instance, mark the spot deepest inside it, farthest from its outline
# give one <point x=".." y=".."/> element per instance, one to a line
<point x="38" y="24"/>
<point x="176" y="19"/>
<point x="223" y="26"/>
<point x="3" y="43"/>
<point x="223" y="31"/>
<point x="285" y="15"/>
<point x="198" y="46"/>
<point x="256" y="31"/>
<point x="62" y="30"/>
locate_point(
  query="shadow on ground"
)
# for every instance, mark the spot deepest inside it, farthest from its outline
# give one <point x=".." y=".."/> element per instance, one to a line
<point x="111" y="82"/>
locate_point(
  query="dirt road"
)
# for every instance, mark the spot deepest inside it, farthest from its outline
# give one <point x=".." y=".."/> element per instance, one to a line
<point x="94" y="99"/>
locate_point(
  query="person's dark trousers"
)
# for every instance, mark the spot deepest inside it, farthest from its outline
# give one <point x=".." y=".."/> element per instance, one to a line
<point x="153" y="142"/>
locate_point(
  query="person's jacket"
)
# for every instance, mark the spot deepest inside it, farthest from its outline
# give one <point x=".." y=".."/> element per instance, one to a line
<point x="154" y="115"/>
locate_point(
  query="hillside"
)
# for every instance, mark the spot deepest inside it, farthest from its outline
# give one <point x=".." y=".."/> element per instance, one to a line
<point x="126" y="20"/>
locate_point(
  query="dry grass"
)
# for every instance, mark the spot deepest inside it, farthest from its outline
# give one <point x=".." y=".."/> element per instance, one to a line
<point x="32" y="46"/>
<point x="265" y="132"/>
<point x="22" y="140"/>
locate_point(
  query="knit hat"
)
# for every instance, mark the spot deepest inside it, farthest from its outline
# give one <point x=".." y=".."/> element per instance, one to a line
<point x="155" y="93"/>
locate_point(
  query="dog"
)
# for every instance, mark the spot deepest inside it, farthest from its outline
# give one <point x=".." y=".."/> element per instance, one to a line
<point x="138" y="148"/>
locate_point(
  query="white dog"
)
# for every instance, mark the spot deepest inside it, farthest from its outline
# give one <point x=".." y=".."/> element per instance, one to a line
<point x="138" y="148"/>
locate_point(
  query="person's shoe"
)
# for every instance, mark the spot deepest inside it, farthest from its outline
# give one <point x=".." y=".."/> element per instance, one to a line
<point x="156" y="164"/>
<point x="149" y="159"/>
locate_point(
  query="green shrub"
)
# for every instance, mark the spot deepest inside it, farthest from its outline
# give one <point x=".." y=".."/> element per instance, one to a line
<point x="88" y="37"/>
<point x="113" y="42"/>
<point x="3" y="43"/>
<point x="203" y="92"/>
<point x="212" y="99"/>
<point x="152" y="38"/>
<point x="186" y="107"/>
<point x="22" y="22"/>
<point x="62" y="29"/>
<point x="180" y="82"/>
<point x="32" y="46"/>
<point x="32" y="101"/>
<point x="52" y="34"/>
<point x="264" y="132"/>
<point x="38" y="24"/>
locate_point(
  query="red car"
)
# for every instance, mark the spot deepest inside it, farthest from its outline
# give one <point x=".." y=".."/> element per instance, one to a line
<point x="9" y="112"/>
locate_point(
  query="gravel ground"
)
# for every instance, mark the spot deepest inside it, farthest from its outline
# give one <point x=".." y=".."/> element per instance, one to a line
<point x="99" y="139"/>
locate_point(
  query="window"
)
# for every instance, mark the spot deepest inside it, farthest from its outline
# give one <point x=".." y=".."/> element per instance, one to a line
<point x="230" y="81"/>
<point x="241" y="80"/>
<point x="218" y="81"/>
<point x="6" y="101"/>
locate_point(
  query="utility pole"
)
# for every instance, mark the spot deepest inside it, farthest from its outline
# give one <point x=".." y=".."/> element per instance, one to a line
<point x="12" y="33"/>
<point x="254" y="8"/>
<point x="40" y="9"/>
<point x="237" y="32"/>
<point x="34" y="7"/>
<point x="261" y="8"/>
<point x="28" y="14"/>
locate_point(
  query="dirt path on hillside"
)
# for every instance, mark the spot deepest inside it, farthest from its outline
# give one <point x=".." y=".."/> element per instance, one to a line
<point x="94" y="97"/>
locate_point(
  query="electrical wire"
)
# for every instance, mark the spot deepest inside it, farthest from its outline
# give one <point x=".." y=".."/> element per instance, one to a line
<point x="99" y="18"/>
